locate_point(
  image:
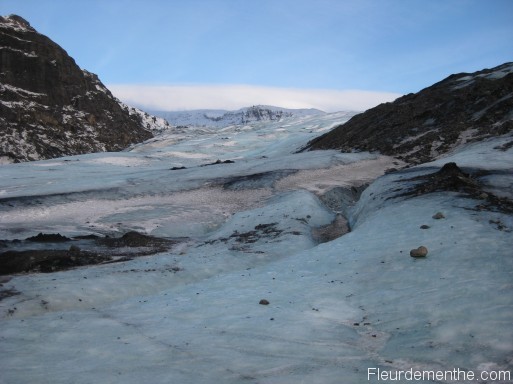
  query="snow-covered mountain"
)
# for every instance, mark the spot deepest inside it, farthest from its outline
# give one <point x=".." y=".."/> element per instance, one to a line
<point x="49" y="107"/>
<point x="222" y="118"/>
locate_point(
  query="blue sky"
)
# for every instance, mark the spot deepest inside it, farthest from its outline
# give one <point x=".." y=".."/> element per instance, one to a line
<point x="330" y="54"/>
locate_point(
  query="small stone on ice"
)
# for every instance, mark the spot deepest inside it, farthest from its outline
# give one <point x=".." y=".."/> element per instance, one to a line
<point x="419" y="252"/>
<point x="264" y="302"/>
<point x="438" y="215"/>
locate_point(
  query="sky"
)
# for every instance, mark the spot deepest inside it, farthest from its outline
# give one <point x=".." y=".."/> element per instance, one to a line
<point x="227" y="54"/>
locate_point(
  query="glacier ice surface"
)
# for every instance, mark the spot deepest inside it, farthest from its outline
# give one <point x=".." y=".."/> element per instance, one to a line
<point x="192" y="314"/>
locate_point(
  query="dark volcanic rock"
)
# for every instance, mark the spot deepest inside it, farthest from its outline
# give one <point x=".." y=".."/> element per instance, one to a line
<point x="48" y="238"/>
<point x="452" y="178"/>
<point x="97" y="250"/>
<point x="136" y="239"/>
<point x="47" y="260"/>
<point x="218" y="162"/>
<point x="256" y="180"/>
<point x="418" y="127"/>
<point x="449" y="178"/>
<point x="49" y="107"/>
<point x="269" y="230"/>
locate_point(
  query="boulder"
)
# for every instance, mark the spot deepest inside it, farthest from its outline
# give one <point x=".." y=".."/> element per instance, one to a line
<point x="419" y="252"/>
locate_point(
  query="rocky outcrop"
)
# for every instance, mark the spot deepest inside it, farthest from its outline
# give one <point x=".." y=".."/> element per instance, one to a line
<point x="49" y="107"/>
<point x="451" y="178"/>
<point x="262" y="113"/>
<point x="419" y="127"/>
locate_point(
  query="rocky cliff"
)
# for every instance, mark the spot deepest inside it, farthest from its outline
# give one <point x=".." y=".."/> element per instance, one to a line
<point x="49" y="107"/>
<point x="419" y="127"/>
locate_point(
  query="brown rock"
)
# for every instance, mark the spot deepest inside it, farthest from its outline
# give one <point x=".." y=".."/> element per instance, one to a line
<point x="419" y="252"/>
<point x="264" y="302"/>
<point x="438" y="216"/>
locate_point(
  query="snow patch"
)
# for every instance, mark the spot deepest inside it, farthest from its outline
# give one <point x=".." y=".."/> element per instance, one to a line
<point x="30" y="54"/>
<point x="20" y="91"/>
<point x="495" y="75"/>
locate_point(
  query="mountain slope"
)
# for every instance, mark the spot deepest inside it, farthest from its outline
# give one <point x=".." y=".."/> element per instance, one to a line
<point x="49" y="107"/>
<point x="419" y="127"/>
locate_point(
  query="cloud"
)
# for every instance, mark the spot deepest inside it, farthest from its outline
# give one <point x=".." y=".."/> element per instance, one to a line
<point x="186" y="97"/>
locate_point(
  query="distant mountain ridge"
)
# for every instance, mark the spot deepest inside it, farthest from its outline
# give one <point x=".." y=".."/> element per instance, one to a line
<point x="422" y="126"/>
<point x="222" y="118"/>
<point x="49" y="107"/>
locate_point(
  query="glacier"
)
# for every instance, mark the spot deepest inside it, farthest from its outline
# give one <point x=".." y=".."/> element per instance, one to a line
<point x="244" y="233"/>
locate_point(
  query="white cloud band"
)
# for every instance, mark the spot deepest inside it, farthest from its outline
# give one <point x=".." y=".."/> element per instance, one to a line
<point x="186" y="97"/>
